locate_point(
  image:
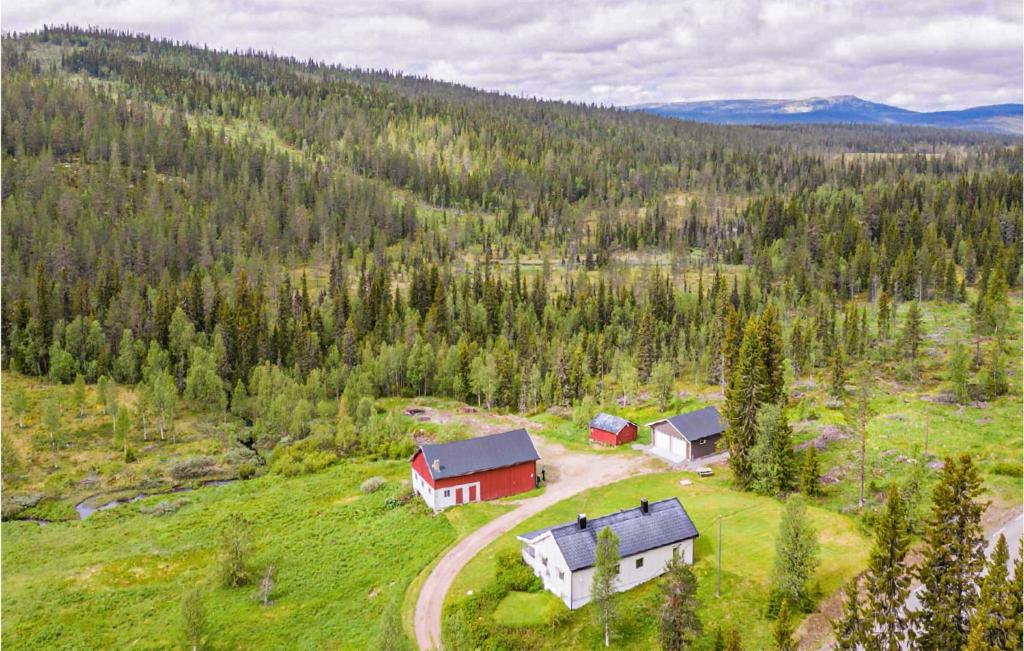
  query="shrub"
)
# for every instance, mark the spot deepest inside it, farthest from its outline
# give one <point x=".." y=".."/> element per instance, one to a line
<point x="307" y="456"/>
<point x="191" y="468"/>
<point x="235" y="542"/>
<point x="166" y="507"/>
<point x="372" y="485"/>
<point x="513" y="574"/>
<point x="1007" y="469"/>
<point x="246" y="471"/>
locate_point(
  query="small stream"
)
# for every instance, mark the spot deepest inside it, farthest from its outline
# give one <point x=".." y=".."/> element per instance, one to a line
<point x="85" y="509"/>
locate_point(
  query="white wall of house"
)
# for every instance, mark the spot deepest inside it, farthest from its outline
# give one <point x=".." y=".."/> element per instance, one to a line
<point x="546" y="560"/>
<point x="630" y="576"/>
<point x="442" y="498"/>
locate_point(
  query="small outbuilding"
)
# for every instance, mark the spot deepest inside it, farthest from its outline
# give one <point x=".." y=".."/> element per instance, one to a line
<point x="689" y="436"/>
<point x="612" y="430"/>
<point x="473" y="470"/>
<point x="563" y="556"/>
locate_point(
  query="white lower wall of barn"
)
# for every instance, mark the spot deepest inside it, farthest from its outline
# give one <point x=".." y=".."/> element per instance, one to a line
<point x="442" y="498"/>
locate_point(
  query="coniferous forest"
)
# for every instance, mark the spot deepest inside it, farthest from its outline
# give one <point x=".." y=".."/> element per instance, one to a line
<point x="277" y="248"/>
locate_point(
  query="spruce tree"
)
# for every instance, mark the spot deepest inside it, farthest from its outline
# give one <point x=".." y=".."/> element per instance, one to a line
<point x="680" y="624"/>
<point x="796" y="552"/>
<point x="810" y="472"/>
<point x="771" y="385"/>
<point x="772" y="460"/>
<point x="950" y="571"/>
<point x="849" y="628"/>
<point x="886" y="622"/>
<point x="782" y="631"/>
<point x="910" y="340"/>
<point x="741" y="407"/>
<point x="958" y="372"/>
<point x="994" y="622"/>
<point x="647" y="345"/>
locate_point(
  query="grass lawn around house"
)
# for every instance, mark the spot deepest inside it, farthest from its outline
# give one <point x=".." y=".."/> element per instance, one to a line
<point x="117" y="579"/>
<point x="750" y="525"/>
<point x="528" y="609"/>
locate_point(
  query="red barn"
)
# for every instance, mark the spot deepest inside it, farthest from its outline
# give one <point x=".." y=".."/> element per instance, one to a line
<point x="483" y="468"/>
<point x="612" y="430"/>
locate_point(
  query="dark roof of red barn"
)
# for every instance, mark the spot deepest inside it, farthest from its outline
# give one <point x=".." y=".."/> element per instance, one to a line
<point x="609" y="423"/>
<point x="478" y="454"/>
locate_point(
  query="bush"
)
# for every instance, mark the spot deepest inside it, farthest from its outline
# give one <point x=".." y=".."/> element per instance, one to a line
<point x="166" y="507"/>
<point x="1007" y="469"/>
<point x="191" y="468"/>
<point x="307" y="456"/>
<point x="235" y="543"/>
<point x="372" y="485"/>
<point x="514" y="575"/>
<point x="246" y="471"/>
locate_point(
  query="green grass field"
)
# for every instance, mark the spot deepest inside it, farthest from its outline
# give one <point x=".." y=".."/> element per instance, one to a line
<point x="116" y="580"/>
<point x="750" y="524"/>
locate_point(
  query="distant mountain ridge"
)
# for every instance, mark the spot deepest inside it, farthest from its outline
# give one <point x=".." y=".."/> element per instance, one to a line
<point x="995" y="118"/>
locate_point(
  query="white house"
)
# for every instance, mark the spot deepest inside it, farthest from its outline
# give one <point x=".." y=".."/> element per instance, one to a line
<point x="563" y="555"/>
<point x="688" y="436"/>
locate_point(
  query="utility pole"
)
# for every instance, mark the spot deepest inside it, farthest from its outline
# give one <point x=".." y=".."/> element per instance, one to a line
<point x="718" y="589"/>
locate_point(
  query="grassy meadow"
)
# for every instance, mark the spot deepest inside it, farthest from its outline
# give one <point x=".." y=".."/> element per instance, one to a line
<point x="116" y="580"/>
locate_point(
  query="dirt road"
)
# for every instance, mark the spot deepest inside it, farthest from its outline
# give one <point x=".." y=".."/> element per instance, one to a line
<point x="572" y="472"/>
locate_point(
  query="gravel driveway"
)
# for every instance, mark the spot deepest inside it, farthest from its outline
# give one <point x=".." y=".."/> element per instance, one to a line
<point x="575" y="472"/>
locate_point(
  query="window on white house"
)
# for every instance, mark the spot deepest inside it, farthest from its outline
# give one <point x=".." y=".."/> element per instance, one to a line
<point x="561" y="575"/>
<point x="639" y="563"/>
<point x="447" y="493"/>
<point x="544" y="561"/>
<point x="530" y="552"/>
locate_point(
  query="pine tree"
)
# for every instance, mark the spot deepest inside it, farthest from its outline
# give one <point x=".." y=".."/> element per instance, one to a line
<point x="886" y="622"/>
<point x="810" y="472"/>
<point x="950" y="571"/>
<point x="603" y="591"/>
<point x="993" y="376"/>
<point x="994" y="622"/>
<point x="782" y="631"/>
<point x="849" y="628"/>
<point x="857" y="412"/>
<point x="680" y="624"/>
<point x="741" y="407"/>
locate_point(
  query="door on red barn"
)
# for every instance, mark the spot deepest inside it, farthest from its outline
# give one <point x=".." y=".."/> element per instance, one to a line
<point x="458" y="495"/>
<point x="472" y="493"/>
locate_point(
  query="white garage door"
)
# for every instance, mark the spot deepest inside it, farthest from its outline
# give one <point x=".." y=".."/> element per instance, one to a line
<point x="679" y="447"/>
<point x="662" y="440"/>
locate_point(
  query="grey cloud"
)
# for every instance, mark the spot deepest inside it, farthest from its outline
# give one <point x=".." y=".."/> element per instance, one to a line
<point x="926" y="55"/>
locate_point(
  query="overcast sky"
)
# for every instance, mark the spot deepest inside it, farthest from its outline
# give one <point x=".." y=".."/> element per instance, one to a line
<point x="921" y="54"/>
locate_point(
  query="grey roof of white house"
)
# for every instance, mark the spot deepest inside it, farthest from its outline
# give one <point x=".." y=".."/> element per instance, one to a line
<point x="696" y="425"/>
<point x="482" y="453"/>
<point x="609" y="423"/>
<point x="666" y="523"/>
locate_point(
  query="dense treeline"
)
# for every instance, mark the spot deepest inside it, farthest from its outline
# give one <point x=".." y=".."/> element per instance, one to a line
<point x="149" y="238"/>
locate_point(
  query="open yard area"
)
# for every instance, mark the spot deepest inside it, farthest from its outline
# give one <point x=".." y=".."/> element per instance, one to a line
<point x="749" y="527"/>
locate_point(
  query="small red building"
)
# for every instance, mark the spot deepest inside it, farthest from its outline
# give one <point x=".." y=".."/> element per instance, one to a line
<point x="612" y="430"/>
<point x="473" y="470"/>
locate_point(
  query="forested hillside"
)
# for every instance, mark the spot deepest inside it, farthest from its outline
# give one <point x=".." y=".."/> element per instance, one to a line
<point x="167" y="207"/>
